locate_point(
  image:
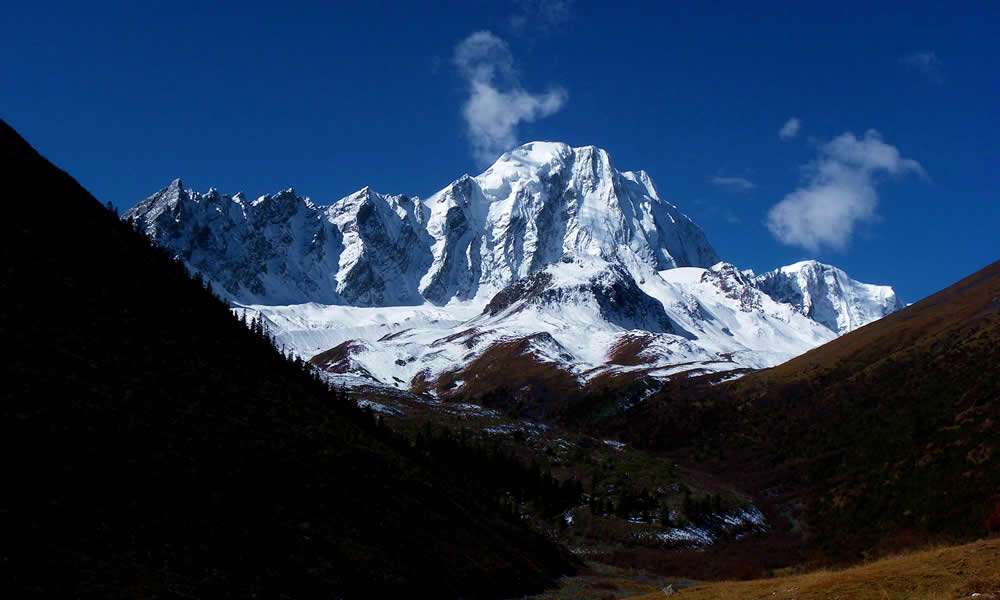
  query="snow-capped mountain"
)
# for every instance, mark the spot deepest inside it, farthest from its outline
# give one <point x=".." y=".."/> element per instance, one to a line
<point x="551" y="255"/>
<point x="541" y="201"/>
<point x="469" y="240"/>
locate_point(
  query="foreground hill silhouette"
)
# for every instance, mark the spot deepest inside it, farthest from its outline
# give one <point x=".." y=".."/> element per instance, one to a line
<point x="154" y="446"/>
<point x="886" y="437"/>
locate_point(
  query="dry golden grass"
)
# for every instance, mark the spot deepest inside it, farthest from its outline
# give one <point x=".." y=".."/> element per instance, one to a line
<point x="939" y="574"/>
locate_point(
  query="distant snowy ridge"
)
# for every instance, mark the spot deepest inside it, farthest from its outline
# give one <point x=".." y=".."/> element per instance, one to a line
<point x="828" y="296"/>
<point x="551" y="254"/>
<point x="283" y="249"/>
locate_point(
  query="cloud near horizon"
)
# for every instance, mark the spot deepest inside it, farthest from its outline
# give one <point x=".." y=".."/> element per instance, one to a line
<point x="790" y="129"/>
<point x="497" y="103"/>
<point x="839" y="192"/>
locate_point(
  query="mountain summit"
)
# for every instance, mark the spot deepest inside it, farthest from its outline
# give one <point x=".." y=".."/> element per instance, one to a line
<point x="542" y="201"/>
<point x="582" y="267"/>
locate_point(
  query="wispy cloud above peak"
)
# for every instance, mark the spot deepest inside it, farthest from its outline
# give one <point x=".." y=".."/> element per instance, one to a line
<point x="839" y="192"/>
<point x="790" y="129"/>
<point x="497" y="103"/>
<point x="483" y="56"/>
<point x="736" y="184"/>
<point x="927" y="63"/>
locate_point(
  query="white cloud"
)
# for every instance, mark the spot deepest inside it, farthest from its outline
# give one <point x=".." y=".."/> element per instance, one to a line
<point x="839" y="192"/>
<point x="927" y="63"/>
<point x="790" y="129"/>
<point x="738" y="184"/>
<point x="497" y="103"/>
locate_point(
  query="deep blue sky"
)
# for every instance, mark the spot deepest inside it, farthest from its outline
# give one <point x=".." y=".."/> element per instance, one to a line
<point x="327" y="99"/>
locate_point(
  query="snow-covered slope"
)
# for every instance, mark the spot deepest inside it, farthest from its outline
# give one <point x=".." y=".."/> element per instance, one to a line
<point x="584" y="314"/>
<point x="551" y="255"/>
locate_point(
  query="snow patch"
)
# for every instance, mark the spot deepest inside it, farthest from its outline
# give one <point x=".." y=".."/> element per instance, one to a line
<point x="619" y="446"/>
<point x="736" y="523"/>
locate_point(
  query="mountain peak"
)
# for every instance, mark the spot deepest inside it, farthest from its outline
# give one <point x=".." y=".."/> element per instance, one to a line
<point x="168" y="200"/>
<point x="539" y="152"/>
<point x="808" y="265"/>
<point x="171" y="193"/>
<point x="363" y="195"/>
<point x="828" y="295"/>
<point x="544" y="157"/>
<point x="529" y="160"/>
<point x="545" y="152"/>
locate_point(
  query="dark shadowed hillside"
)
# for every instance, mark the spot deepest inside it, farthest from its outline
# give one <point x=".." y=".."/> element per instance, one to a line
<point x="156" y="447"/>
<point x="879" y="439"/>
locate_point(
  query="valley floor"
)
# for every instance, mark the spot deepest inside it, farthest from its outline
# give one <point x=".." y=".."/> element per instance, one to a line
<point x="944" y="573"/>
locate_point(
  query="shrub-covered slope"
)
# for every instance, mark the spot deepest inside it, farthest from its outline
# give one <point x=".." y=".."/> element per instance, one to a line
<point x="887" y="435"/>
<point x="156" y="447"/>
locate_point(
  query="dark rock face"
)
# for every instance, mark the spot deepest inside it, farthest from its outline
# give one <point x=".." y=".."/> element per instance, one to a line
<point x="521" y="290"/>
<point x="735" y="285"/>
<point x="388" y="249"/>
<point x="455" y="270"/>
<point x="624" y="304"/>
<point x="613" y="290"/>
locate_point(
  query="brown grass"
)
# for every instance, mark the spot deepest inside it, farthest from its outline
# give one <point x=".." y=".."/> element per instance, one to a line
<point x="338" y="358"/>
<point x="943" y="319"/>
<point x="937" y="574"/>
<point x="627" y="351"/>
<point x="509" y="376"/>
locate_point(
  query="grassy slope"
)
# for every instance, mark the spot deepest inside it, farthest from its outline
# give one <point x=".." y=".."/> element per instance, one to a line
<point x="887" y="435"/>
<point x="942" y="573"/>
<point x="939" y="574"/>
<point x="153" y="446"/>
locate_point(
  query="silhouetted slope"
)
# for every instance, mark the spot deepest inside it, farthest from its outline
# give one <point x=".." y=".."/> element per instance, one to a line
<point x="154" y="446"/>
<point x="889" y="434"/>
